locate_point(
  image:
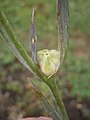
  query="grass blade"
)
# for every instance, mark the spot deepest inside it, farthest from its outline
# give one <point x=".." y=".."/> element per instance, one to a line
<point x="53" y="113"/>
<point x="14" y="44"/>
<point x="63" y="27"/>
<point x="12" y="47"/>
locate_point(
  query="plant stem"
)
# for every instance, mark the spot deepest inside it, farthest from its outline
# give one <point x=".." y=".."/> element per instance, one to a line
<point x="58" y="97"/>
<point x="19" y="47"/>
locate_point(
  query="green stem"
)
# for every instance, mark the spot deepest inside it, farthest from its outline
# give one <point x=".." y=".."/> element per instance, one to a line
<point x="8" y="29"/>
<point x="58" y="97"/>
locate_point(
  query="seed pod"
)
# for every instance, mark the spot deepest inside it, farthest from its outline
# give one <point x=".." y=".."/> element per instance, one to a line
<point x="49" y="61"/>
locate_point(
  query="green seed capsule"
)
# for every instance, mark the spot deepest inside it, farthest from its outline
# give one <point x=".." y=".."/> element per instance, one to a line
<point x="49" y="61"/>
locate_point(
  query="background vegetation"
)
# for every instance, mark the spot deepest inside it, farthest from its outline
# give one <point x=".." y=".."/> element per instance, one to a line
<point x="74" y="78"/>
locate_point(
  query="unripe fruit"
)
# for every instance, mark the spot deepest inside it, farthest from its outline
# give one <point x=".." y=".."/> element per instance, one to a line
<point x="49" y="61"/>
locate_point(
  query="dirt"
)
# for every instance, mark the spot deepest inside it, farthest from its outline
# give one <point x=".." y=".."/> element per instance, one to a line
<point x="78" y="108"/>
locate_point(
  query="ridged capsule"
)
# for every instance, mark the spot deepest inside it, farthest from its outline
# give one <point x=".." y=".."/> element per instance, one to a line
<point x="49" y="61"/>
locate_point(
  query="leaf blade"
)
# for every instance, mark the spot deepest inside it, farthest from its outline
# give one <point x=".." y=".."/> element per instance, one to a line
<point x="63" y="27"/>
<point x="14" y="44"/>
<point x="19" y="47"/>
<point x="53" y="113"/>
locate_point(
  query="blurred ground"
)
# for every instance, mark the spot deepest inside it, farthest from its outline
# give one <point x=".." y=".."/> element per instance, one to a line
<point x="17" y="98"/>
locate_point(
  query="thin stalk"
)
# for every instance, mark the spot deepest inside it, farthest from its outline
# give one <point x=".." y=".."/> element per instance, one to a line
<point x="58" y="97"/>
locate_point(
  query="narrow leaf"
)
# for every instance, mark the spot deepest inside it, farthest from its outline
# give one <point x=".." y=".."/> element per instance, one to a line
<point x="47" y="105"/>
<point x="17" y="48"/>
<point x="63" y="27"/>
<point x="33" y="38"/>
<point x="14" y="44"/>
